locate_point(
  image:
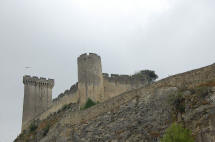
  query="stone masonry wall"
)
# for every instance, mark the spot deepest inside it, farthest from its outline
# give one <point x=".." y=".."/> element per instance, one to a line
<point x="90" y="80"/>
<point x="113" y="86"/>
<point x="190" y="79"/>
<point x="117" y="84"/>
<point x="37" y="96"/>
<point x="81" y="116"/>
<point x="69" y="96"/>
<point x="78" y="117"/>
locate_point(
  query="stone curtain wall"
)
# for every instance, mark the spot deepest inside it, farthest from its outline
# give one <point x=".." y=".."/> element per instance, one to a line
<point x="69" y="96"/>
<point x="78" y="117"/>
<point x="187" y="79"/>
<point x="84" y="115"/>
<point x="190" y="79"/>
<point x="115" y="84"/>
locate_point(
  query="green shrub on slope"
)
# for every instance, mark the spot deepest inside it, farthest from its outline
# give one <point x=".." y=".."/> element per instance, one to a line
<point x="89" y="104"/>
<point x="176" y="133"/>
<point x="33" y="127"/>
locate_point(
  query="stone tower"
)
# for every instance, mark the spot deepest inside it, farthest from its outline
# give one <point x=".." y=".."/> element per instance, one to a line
<point x="37" y="96"/>
<point x="90" y="79"/>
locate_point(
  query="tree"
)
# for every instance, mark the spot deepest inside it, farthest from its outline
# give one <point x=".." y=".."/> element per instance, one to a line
<point x="176" y="133"/>
<point x="148" y="75"/>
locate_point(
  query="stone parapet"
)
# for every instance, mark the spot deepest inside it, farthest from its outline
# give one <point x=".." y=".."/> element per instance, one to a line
<point x="73" y="89"/>
<point x="86" y="56"/>
<point x="189" y="79"/>
<point x="90" y="80"/>
<point x="122" y="78"/>
<point x="28" y="80"/>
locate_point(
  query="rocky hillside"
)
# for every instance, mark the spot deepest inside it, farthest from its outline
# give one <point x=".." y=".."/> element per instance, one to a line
<point x="141" y="115"/>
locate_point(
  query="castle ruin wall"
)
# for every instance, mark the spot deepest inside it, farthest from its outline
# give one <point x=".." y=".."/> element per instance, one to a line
<point x="125" y="82"/>
<point x="99" y="87"/>
<point x="68" y="97"/>
<point x="115" y="84"/>
<point x="90" y="79"/>
<point x="188" y="79"/>
<point x="112" y="104"/>
<point x="37" y="96"/>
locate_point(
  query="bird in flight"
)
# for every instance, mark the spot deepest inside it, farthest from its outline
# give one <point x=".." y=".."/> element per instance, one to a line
<point x="28" y="67"/>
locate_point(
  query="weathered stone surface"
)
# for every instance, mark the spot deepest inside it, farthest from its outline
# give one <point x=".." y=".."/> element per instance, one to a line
<point x="137" y="115"/>
<point x="136" y="120"/>
<point x="37" y="97"/>
<point x="143" y="118"/>
<point x="91" y="84"/>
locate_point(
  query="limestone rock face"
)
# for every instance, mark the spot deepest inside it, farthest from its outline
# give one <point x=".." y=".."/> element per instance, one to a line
<point x="143" y="117"/>
<point x="92" y="84"/>
<point x="138" y="115"/>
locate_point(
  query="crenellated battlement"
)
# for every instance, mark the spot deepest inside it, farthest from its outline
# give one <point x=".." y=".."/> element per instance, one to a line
<point x="37" y="96"/>
<point x="90" y="78"/>
<point x="91" y="84"/>
<point x="73" y="89"/>
<point x="28" y="80"/>
<point x="94" y="84"/>
<point x="87" y="56"/>
<point x="121" y="78"/>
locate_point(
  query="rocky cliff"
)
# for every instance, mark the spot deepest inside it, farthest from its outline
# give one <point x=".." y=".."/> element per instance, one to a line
<point x="140" y="115"/>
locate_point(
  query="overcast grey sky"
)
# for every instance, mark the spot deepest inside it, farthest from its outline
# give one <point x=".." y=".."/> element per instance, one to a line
<point x="168" y="36"/>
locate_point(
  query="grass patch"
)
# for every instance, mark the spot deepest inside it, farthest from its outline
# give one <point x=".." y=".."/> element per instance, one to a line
<point x="33" y="127"/>
<point x="176" y="133"/>
<point x="46" y="130"/>
<point x="178" y="101"/>
<point x="67" y="106"/>
<point x="88" y="104"/>
<point x="202" y="91"/>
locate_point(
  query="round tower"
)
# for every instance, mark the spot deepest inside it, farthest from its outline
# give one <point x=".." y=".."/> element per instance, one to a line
<point x="90" y="79"/>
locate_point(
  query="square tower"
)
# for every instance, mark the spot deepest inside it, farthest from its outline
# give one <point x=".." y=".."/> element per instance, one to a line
<point x="37" y="97"/>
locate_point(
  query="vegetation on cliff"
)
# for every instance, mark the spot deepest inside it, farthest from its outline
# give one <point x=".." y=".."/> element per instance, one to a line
<point x="176" y="133"/>
<point x="148" y="75"/>
<point x="89" y="104"/>
<point x="145" y="116"/>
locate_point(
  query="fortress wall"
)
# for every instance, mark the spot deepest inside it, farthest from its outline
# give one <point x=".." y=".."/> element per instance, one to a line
<point x="58" y="104"/>
<point x="84" y="115"/>
<point x="112" y="105"/>
<point x="37" y="96"/>
<point x="29" y="104"/>
<point x="189" y="79"/>
<point x="117" y="84"/>
<point x="90" y="80"/>
<point x="114" y="85"/>
<point x="69" y="96"/>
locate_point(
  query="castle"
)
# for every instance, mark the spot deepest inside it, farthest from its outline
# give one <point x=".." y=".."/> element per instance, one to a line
<point x="92" y="83"/>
